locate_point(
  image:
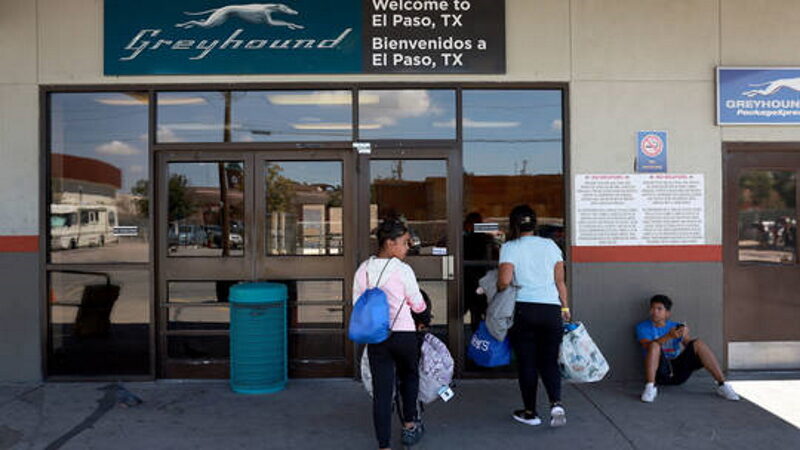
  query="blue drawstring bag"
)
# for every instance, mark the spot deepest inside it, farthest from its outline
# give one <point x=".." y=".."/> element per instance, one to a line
<point x="486" y="351"/>
<point x="369" y="320"/>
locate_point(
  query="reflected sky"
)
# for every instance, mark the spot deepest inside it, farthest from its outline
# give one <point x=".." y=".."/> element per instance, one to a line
<point x="512" y="132"/>
<point x="311" y="172"/>
<point x="506" y="132"/>
<point x="407" y="170"/>
<point x="110" y="127"/>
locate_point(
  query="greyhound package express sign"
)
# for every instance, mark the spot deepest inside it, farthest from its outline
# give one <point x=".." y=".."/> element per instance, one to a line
<point x="758" y="96"/>
<point x="157" y="37"/>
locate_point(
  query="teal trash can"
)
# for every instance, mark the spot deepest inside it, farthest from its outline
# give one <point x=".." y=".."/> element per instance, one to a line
<point x="258" y="337"/>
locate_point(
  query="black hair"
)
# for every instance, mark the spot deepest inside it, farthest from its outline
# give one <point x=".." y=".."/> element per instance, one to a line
<point x="521" y="220"/>
<point x="390" y="228"/>
<point x="663" y="299"/>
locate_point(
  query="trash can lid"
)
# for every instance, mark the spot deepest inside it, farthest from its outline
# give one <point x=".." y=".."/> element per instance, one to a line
<point x="258" y="293"/>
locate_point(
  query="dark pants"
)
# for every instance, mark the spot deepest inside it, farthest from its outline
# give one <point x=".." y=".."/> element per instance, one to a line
<point x="677" y="370"/>
<point x="536" y="337"/>
<point x="400" y="351"/>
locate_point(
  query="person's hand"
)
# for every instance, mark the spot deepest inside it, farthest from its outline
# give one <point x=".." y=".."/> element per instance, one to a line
<point x="566" y="315"/>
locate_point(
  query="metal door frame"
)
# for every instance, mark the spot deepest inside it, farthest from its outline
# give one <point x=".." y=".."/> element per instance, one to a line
<point x="738" y="156"/>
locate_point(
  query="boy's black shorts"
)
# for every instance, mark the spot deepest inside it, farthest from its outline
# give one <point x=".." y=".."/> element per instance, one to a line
<point x="678" y="370"/>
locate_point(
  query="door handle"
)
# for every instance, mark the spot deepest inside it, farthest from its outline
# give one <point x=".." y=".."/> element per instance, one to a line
<point x="448" y="267"/>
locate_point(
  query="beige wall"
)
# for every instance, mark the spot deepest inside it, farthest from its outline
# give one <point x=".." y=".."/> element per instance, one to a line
<point x="631" y="65"/>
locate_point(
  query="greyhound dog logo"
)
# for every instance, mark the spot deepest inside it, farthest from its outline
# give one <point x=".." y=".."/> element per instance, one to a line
<point x="253" y="13"/>
<point x="773" y="87"/>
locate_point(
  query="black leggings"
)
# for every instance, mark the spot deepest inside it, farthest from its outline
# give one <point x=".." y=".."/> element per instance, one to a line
<point x="536" y="337"/>
<point x="401" y="350"/>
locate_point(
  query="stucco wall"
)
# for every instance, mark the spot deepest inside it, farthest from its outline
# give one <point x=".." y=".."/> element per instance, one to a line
<point x="631" y="65"/>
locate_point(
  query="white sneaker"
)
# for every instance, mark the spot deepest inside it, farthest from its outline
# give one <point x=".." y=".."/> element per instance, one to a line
<point x="558" y="417"/>
<point x="650" y="392"/>
<point x="726" y="391"/>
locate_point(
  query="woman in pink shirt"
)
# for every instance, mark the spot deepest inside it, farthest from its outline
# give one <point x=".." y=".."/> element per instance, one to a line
<point x="388" y="271"/>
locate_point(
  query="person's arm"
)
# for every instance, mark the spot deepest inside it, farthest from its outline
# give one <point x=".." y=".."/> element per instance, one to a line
<point x="671" y="334"/>
<point x="561" y="285"/>
<point x="504" y="276"/>
<point x="413" y="296"/>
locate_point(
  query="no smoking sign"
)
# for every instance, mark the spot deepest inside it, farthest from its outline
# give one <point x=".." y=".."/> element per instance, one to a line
<point x="651" y="151"/>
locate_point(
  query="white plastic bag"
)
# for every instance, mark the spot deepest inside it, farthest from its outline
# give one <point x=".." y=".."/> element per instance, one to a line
<point x="579" y="359"/>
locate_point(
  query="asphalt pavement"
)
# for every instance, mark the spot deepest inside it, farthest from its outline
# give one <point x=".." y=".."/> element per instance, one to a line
<point x="335" y="414"/>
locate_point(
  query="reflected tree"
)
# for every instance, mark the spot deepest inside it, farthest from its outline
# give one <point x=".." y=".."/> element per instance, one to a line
<point x="181" y="204"/>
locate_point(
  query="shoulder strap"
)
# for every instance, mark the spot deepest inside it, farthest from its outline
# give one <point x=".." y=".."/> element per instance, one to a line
<point x="383" y="270"/>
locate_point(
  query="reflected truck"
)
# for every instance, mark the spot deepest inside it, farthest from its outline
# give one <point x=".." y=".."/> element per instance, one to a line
<point x="74" y="226"/>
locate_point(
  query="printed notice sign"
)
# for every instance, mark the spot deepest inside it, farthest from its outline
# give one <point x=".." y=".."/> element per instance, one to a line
<point x="639" y="209"/>
<point x="434" y="36"/>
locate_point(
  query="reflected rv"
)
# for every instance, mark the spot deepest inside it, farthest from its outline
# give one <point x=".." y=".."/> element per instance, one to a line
<point x="73" y="226"/>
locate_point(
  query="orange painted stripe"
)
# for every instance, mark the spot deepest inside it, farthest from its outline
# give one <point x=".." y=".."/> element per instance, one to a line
<point x="19" y="244"/>
<point x="647" y="253"/>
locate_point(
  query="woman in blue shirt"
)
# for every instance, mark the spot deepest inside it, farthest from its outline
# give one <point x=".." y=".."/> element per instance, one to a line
<point x="536" y="267"/>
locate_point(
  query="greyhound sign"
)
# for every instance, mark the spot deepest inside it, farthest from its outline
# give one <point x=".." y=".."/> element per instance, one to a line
<point x="758" y="96"/>
<point x="176" y="37"/>
<point x="232" y="37"/>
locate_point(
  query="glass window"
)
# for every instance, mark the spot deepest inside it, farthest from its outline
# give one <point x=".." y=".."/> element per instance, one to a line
<point x="191" y="117"/>
<point x="198" y="347"/>
<point x="206" y="209"/>
<point x="199" y="305"/>
<point x="304" y="207"/>
<point x="99" y="177"/>
<point x="414" y="190"/>
<point x="768" y="216"/>
<point x="437" y="293"/>
<point x="407" y="114"/>
<point x="282" y="116"/>
<point x="99" y="323"/>
<point x="514" y="154"/>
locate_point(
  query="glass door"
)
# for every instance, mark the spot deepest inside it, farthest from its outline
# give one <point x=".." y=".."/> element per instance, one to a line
<point x="226" y="217"/>
<point x="305" y="239"/>
<point x="205" y="245"/>
<point x="422" y="187"/>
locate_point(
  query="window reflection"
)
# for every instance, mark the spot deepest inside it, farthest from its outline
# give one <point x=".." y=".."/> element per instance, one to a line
<point x="99" y="323"/>
<point x="206" y="209"/>
<point x="513" y="154"/>
<point x="304" y="207"/>
<point x="199" y="305"/>
<point x="768" y="216"/>
<point x="415" y="191"/>
<point x="99" y="178"/>
<point x="281" y="116"/>
<point x="407" y="114"/>
<point x="190" y="117"/>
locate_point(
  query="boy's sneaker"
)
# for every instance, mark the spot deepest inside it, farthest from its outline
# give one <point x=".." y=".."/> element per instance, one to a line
<point x="726" y="391"/>
<point x="558" y="417"/>
<point x="413" y="435"/>
<point x="650" y="392"/>
<point x="525" y="417"/>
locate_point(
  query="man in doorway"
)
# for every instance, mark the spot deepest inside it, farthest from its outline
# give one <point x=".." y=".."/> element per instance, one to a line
<point x="671" y="355"/>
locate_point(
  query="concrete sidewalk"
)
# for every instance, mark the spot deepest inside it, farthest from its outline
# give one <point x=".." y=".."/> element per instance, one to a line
<point x="335" y="414"/>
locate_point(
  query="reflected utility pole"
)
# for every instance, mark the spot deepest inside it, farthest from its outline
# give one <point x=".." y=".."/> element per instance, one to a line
<point x="223" y="181"/>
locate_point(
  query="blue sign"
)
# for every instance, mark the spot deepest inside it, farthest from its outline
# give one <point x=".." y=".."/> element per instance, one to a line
<point x="651" y="153"/>
<point x="158" y="37"/>
<point x="756" y="96"/>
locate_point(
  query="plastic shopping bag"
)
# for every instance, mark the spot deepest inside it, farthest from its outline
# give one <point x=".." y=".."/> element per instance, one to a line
<point x="486" y="351"/>
<point x="579" y="359"/>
